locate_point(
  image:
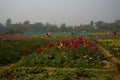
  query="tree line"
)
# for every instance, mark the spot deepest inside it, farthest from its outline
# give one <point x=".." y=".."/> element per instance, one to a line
<point x="26" y="26"/>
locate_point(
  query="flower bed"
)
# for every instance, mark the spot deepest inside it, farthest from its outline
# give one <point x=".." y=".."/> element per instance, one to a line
<point x="65" y="53"/>
<point x="113" y="45"/>
<point x="36" y="54"/>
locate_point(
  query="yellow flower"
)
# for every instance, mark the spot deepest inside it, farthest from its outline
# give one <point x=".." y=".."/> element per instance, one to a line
<point x="61" y="44"/>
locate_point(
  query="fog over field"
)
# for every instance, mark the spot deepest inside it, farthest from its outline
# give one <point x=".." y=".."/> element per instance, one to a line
<point x="72" y="12"/>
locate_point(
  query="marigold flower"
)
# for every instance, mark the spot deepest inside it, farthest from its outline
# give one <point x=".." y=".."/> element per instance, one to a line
<point x="59" y="47"/>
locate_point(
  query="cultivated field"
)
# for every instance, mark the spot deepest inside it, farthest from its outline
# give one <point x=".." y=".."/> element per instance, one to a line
<point x="60" y="57"/>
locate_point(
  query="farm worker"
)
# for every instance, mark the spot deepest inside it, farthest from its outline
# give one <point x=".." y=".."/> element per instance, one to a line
<point x="114" y="33"/>
<point x="47" y="34"/>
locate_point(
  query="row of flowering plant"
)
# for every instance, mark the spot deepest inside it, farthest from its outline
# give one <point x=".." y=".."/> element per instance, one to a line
<point x="65" y="53"/>
<point x="66" y="45"/>
<point x="113" y="45"/>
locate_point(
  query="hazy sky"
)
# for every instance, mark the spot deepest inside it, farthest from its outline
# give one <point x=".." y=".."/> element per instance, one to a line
<point x="72" y="12"/>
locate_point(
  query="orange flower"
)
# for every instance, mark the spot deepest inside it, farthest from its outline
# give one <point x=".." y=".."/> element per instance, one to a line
<point x="59" y="47"/>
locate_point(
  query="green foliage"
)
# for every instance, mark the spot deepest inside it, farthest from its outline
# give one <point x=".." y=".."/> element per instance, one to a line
<point x="11" y="57"/>
<point x="62" y="59"/>
<point x="113" y="46"/>
<point x="9" y="50"/>
<point x="29" y="67"/>
<point x="38" y="73"/>
<point x="21" y="72"/>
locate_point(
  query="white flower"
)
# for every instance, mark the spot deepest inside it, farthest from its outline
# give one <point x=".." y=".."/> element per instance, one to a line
<point x="85" y="56"/>
<point x="90" y="58"/>
<point x="98" y="56"/>
<point x="116" y="48"/>
<point x="118" y="53"/>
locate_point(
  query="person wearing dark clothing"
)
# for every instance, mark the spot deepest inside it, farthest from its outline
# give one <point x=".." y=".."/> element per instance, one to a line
<point x="114" y="33"/>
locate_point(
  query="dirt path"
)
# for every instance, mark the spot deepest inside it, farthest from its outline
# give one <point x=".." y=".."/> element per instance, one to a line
<point x="110" y="56"/>
<point x="8" y="66"/>
<point x="71" y="69"/>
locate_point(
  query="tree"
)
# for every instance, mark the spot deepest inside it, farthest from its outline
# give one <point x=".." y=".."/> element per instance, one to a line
<point x="91" y="23"/>
<point x="70" y="28"/>
<point x="2" y="28"/>
<point x="8" y="22"/>
<point x="39" y="26"/>
<point x="117" y="22"/>
<point x="25" y="23"/>
<point x="63" y="27"/>
<point x="99" y="25"/>
<point x="1" y="25"/>
<point x="10" y="31"/>
<point x="18" y="28"/>
<point x="54" y="28"/>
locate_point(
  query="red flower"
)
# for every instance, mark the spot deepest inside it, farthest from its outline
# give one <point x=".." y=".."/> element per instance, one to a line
<point x="30" y="50"/>
<point x="39" y="50"/>
<point x="75" y="45"/>
<point x="65" y="43"/>
<point x="80" y="38"/>
<point x="22" y="53"/>
<point x="50" y="45"/>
